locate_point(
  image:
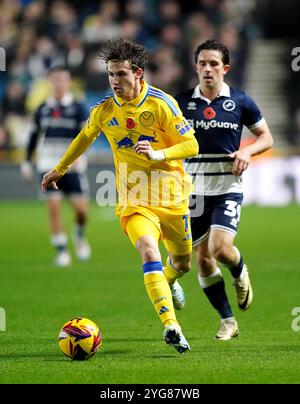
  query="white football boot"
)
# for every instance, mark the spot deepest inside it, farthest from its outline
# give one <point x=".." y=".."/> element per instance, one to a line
<point x="82" y="249"/>
<point x="228" y="329"/>
<point x="243" y="290"/>
<point x="173" y="336"/>
<point x="177" y="296"/>
<point x="63" y="259"/>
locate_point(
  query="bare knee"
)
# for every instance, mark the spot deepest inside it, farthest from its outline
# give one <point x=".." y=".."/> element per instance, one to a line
<point x="181" y="263"/>
<point x="148" y="254"/>
<point x="148" y="249"/>
<point x="80" y="207"/>
<point x="205" y="261"/>
<point x="54" y="208"/>
<point x="221" y="252"/>
<point x="81" y="216"/>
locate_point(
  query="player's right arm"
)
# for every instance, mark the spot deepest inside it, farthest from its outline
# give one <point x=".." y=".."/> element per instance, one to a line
<point x="83" y="140"/>
<point x="26" y="167"/>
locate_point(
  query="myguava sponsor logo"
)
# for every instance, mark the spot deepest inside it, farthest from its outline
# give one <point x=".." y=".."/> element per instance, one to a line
<point x="215" y="124"/>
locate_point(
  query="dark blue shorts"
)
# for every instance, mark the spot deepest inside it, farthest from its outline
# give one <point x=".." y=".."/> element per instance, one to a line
<point x="219" y="212"/>
<point x="71" y="185"/>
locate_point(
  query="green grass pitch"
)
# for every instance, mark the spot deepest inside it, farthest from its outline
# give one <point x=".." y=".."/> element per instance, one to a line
<point x="38" y="298"/>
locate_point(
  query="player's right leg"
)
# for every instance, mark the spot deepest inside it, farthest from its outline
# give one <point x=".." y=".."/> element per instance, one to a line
<point x="211" y="281"/>
<point x="224" y="224"/>
<point x="144" y="235"/>
<point x="58" y="238"/>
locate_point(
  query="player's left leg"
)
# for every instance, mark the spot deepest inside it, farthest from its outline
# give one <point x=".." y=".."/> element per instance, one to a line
<point x="221" y="246"/>
<point x="178" y="241"/>
<point x="58" y="237"/>
<point x="81" y="207"/>
<point x="212" y="283"/>
<point x="144" y="235"/>
<point x="77" y="189"/>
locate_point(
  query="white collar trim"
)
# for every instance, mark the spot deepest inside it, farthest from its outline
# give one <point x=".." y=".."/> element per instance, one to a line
<point x="66" y="100"/>
<point x="225" y="92"/>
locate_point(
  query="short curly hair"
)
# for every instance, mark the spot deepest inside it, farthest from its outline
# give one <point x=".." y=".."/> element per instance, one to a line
<point x="125" y="49"/>
<point x="212" y="44"/>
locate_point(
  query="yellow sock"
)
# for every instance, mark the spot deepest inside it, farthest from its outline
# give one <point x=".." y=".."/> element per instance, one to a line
<point x="170" y="273"/>
<point x="159" y="292"/>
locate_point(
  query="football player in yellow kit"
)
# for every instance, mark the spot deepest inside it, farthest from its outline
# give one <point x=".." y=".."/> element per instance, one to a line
<point x="149" y="137"/>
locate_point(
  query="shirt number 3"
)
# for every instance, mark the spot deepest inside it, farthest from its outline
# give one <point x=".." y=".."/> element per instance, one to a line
<point x="234" y="211"/>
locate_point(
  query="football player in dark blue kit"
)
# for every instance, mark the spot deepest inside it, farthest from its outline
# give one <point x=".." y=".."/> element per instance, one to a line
<point x="56" y="123"/>
<point x="218" y="113"/>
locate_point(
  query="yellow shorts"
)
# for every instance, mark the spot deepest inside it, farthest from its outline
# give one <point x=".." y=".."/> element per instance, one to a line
<point x="173" y="230"/>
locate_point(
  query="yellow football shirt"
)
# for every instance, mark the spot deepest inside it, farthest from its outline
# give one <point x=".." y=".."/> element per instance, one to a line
<point x="156" y="117"/>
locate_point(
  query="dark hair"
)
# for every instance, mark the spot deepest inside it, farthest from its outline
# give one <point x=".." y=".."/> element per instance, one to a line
<point x="125" y="49"/>
<point x="212" y="44"/>
<point x="58" y="68"/>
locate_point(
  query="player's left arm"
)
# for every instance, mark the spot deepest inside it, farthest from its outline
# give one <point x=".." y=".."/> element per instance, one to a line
<point x="253" y="119"/>
<point x="179" y="129"/>
<point x="263" y="142"/>
<point x="180" y="151"/>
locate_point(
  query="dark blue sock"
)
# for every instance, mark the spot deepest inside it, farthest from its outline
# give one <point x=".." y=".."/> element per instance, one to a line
<point x="236" y="271"/>
<point x="217" y="296"/>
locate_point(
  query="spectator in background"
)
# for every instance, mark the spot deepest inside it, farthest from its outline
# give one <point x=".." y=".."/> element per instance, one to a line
<point x="46" y="54"/>
<point x="103" y="25"/>
<point x="56" y="124"/>
<point x="170" y="12"/>
<point x="16" y="119"/>
<point x="229" y="36"/>
<point x="13" y="102"/>
<point x="4" y="142"/>
<point x="63" y="21"/>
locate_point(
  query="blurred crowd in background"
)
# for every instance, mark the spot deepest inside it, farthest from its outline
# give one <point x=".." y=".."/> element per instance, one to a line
<point x="39" y="34"/>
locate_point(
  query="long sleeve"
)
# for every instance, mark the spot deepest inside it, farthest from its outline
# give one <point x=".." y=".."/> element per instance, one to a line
<point x="34" y="135"/>
<point x="182" y="150"/>
<point x="31" y="146"/>
<point x="76" y="148"/>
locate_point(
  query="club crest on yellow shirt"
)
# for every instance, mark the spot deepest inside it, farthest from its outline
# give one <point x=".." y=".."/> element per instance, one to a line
<point x="146" y="118"/>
